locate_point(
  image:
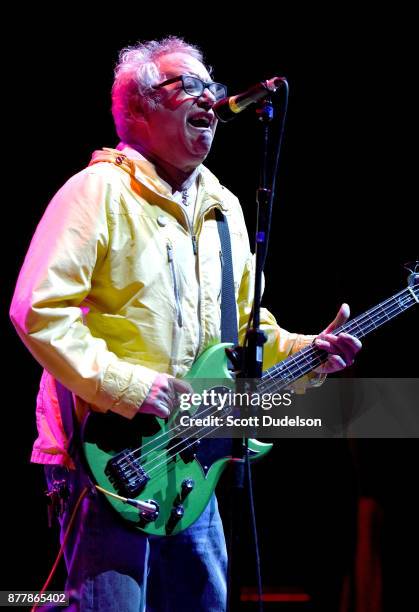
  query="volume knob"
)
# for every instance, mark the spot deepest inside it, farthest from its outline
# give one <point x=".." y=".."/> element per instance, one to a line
<point x="187" y="486"/>
<point x="176" y="514"/>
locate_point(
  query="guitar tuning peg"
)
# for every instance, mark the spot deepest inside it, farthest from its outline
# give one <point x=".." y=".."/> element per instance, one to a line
<point x="413" y="278"/>
<point x="412" y="267"/>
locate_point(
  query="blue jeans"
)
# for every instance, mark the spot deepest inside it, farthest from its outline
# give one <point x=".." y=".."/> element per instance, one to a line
<point x="113" y="567"/>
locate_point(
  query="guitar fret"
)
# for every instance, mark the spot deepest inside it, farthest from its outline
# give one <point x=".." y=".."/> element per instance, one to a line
<point x="367" y="322"/>
<point x="353" y="325"/>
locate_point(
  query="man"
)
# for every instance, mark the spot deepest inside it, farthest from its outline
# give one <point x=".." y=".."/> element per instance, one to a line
<point x="118" y="295"/>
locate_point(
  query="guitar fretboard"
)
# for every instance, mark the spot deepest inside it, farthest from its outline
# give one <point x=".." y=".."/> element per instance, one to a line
<point x="309" y="358"/>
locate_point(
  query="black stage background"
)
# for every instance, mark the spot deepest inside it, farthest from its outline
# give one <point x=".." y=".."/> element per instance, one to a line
<point x="343" y="225"/>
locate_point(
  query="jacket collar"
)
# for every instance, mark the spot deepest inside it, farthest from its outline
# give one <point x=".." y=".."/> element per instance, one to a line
<point x="144" y="171"/>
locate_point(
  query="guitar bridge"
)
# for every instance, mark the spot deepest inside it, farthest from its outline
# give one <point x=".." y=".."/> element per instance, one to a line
<point x="127" y="474"/>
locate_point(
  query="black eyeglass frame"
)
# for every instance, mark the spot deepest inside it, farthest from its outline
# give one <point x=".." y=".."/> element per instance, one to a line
<point x="205" y="85"/>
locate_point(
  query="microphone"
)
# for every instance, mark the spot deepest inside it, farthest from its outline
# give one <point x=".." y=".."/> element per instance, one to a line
<point x="227" y="108"/>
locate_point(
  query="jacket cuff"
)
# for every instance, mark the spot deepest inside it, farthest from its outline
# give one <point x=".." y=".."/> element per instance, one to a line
<point x="125" y="386"/>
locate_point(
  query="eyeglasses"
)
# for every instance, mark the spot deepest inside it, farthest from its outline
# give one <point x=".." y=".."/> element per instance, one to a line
<point x="194" y="86"/>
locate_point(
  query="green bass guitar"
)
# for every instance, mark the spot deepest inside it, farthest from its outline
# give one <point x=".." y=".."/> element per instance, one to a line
<point x="161" y="484"/>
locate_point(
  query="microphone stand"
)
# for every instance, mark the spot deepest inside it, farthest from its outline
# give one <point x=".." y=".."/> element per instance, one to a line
<point x="251" y="361"/>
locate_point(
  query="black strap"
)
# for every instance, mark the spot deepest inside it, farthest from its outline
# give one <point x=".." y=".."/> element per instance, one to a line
<point x="229" y="331"/>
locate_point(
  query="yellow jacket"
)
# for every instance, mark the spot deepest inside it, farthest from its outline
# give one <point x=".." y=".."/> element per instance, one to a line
<point x="111" y="290"/>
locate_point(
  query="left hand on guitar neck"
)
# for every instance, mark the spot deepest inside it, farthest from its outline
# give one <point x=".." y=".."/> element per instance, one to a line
<point x="342" y="348"/>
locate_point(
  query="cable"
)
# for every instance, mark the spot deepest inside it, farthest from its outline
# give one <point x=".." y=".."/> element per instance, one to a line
<point x="62" y="547"/>
<point x="137" y="503"/>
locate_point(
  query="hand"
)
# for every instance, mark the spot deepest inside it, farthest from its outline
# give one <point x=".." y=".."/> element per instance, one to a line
<point x="162" y="397"/>
<point x="342" y="348"/>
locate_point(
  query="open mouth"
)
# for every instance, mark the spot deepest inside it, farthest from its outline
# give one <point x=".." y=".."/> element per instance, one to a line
<point x="200" y="123"/>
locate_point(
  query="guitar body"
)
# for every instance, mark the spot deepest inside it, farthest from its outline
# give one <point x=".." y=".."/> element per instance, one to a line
<point x="175" y="475"/>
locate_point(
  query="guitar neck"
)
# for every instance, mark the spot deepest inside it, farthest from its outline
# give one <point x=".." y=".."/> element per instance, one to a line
<point x="309" y="358"/>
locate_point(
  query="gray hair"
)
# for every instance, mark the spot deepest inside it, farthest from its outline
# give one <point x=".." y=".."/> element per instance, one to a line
<point x="135" y="74"/>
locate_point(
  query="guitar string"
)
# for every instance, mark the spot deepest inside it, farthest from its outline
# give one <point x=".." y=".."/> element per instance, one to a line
<point x="316" y="360"/>
<point x="195" y="440"/>
<point x="301" y="354"/>
<point x="354" y="323"/>
<point x="179" y="444"/>
<point x="290" y="362"/>
<point x="309" y="352"/>
<point x="165" y="463"/>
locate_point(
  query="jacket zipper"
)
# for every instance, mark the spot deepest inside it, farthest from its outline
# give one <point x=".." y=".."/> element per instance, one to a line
<point x="195" y="251"/>
<point x="175" y="284"/>
<point x="193" y="236"/>
<point x="194" y="244"/>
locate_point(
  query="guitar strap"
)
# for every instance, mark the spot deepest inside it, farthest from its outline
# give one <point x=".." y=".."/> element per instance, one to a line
<point x="229" y="331"/>
<point x="234" y="494"/>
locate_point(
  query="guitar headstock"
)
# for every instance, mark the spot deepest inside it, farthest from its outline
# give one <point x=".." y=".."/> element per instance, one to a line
<point x="413" y="268"/>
